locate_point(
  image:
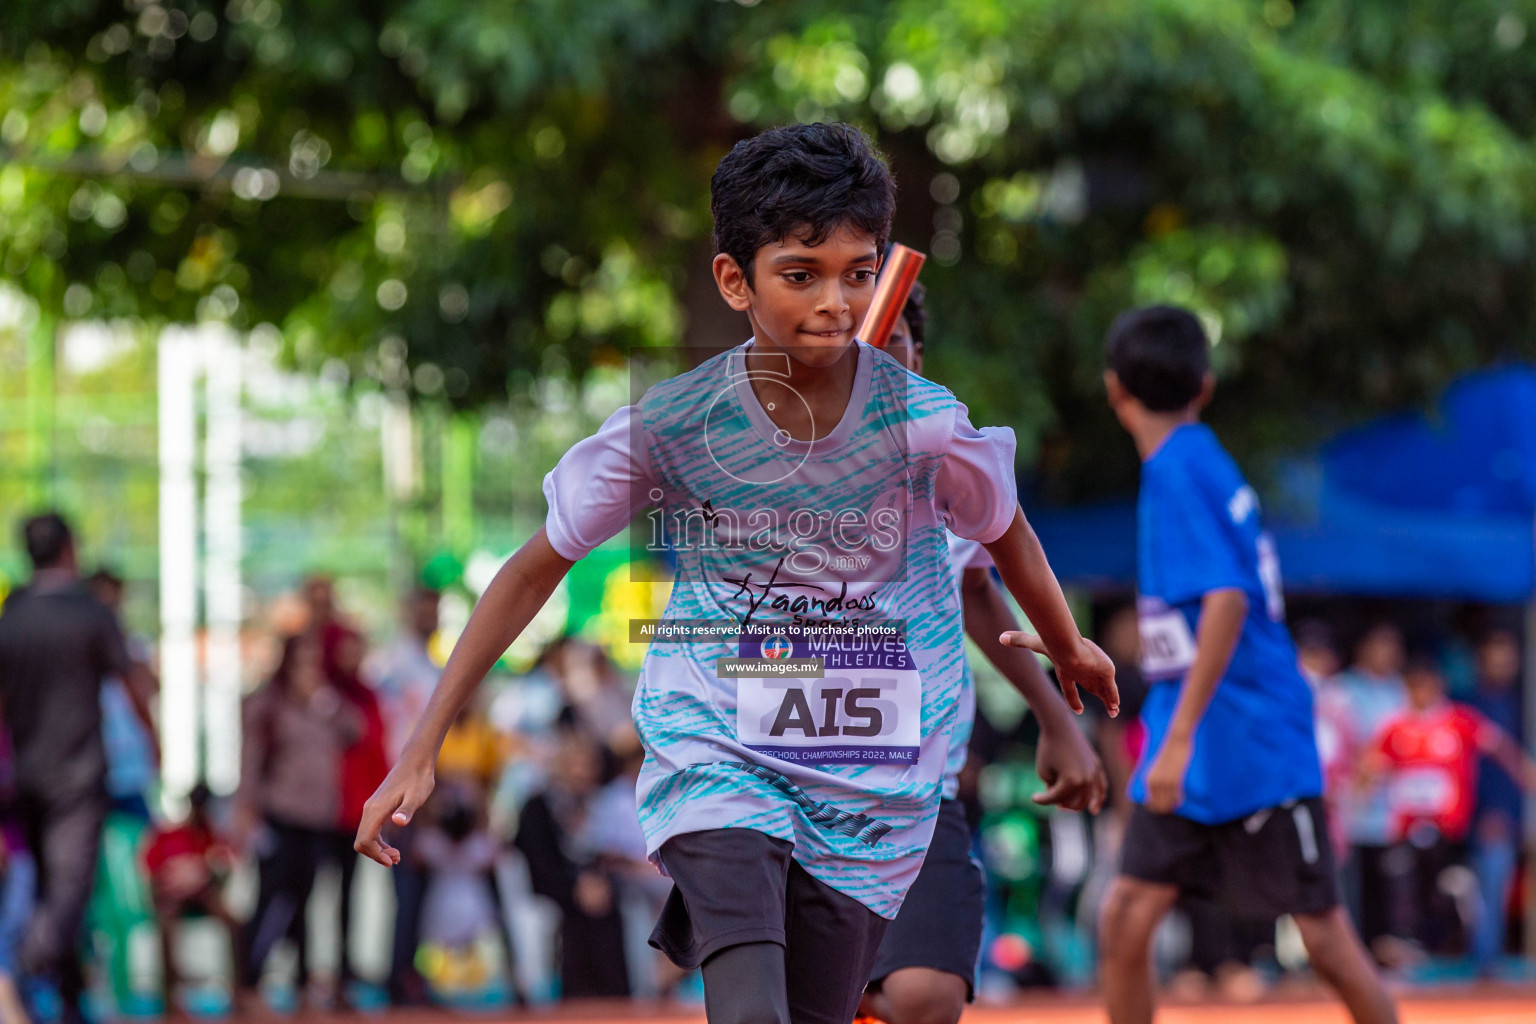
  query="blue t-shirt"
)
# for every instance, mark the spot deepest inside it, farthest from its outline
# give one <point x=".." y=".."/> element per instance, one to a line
<point x="1199" y="530"/>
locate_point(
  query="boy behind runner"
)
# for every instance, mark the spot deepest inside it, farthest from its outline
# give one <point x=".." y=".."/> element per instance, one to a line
<point x="1229" y="792"/>
<point x="926" y="969"/>
<point x="806" y="485"/>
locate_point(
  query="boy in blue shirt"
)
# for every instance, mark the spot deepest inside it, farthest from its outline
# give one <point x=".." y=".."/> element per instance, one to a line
<point x="1229" y="794"/>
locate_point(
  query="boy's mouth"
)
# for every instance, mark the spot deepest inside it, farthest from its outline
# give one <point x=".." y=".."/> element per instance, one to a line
<point x="836" y="332"/>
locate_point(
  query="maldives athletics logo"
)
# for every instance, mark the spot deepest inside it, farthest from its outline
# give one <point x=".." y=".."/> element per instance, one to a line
<point x="778" y="648"/>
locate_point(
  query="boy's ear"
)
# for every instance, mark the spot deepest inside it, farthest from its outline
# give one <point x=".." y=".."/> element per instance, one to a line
<point x="1113" y="389"/>
<point x="734" y="287"/>
<point x="1207" y="390"/>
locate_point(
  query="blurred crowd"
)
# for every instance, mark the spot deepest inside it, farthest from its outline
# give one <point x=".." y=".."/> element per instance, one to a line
<point x="533" y="817"/>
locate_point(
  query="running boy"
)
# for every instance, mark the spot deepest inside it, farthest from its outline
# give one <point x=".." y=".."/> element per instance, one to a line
<point x="1229" y="798"/>
<point x="805" y="486"/>
<point x="925" y="972"/>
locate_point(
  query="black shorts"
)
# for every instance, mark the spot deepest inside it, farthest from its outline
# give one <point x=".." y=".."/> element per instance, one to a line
<point x="735" y="885"/>
<point x="940" y="922"/>
<point x="1273" y="862"/>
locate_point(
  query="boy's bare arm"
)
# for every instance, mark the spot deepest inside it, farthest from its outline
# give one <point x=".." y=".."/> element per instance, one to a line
<point x="1221" y="624"/>
<point x="1022" y="564"/>
<point x="1501" y="746"/>
<point x="1064" y="760"/>
<point x="518" y="591"/>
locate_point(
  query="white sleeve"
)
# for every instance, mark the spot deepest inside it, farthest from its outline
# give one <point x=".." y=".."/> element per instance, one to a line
<point x="976" y="494"/>
<point x="598" y="486"/>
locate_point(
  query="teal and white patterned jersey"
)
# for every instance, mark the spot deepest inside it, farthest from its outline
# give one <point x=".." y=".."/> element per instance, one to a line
<point x="784" y="538"/>
<point x="964" y="554"/>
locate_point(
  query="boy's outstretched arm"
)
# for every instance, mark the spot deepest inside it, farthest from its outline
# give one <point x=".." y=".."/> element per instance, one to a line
<point x="1221" y="624"/>
<point x="1022" y="564"/>
<point x="517" y="593"/>
<point x="1504" y="749"/>
<point x="1064" y="761"/>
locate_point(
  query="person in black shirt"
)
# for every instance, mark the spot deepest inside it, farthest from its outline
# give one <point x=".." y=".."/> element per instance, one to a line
<point x="57" y="644"/>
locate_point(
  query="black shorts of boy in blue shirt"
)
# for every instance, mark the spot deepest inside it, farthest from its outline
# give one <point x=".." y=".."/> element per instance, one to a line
<point x="1228" y="792"/>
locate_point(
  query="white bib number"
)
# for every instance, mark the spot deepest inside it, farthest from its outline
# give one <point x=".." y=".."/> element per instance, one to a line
<point x="1425" y="790"/>
<point x="866" y="709"/>
<point x="1167" y="645"/>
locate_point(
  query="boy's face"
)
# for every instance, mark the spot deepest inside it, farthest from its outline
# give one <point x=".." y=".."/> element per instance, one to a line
<point x="1425" y="687"/>
<point x="1380" y="652"/>
<point x="805" y="300"/>
<point x="1498" y="660"/>
<point x="1318" y="659"/>
<point x="901" y="348"/>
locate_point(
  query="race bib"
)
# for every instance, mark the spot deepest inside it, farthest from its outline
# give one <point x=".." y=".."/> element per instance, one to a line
<point x="1167" y="645"/>
<point x="1423" y="791"/>
<point x="827" y="700"/>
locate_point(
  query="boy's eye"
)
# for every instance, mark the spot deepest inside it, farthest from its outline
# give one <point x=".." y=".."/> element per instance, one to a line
<point x="797" y="276"/>
<point x="863" y="276"/>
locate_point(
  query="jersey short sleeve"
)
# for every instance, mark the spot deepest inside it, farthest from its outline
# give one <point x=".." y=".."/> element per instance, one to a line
<point x="975" y="493"/>
<point x="598" y="486"/>
<point x="1193" y="546"/>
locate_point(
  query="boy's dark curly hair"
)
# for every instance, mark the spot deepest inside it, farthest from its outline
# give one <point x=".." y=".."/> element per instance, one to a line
<point x="805" y="180"/>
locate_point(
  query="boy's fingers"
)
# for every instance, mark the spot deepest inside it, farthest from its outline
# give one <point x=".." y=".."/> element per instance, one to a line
<point x="1100" y="790"/>
<point x="371" y="845"/>
<point x="1019" y="638"/>
<point x="1069" y="691"/>
<point x="1111" y="698"/>
<point x="1063" y="793"/>
<point x="406" y="811"/>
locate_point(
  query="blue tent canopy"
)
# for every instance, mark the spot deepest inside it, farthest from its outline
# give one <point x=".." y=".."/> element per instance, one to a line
<point x="1407" y="506"/>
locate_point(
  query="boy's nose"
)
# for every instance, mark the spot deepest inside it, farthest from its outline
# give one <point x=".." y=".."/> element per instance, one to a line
<point x="832" y="301"/>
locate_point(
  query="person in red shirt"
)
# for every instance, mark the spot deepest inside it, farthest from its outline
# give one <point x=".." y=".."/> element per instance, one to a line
<point x="1428" y="757"/>
<point x="364" y="763"/>
<point x="188" y="864"/>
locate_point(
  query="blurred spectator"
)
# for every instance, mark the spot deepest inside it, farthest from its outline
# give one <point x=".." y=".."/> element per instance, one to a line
<point x="296" y="728"/>
<point x="57" y="646"/>
<point x="525" y="714"/>
<point x="133" y="755"/>
<point x="460" y="908"/>
<point x="613" y="839"/>
<point x="18" y="891"/>
<point x="1337" y="742"/>
<point x="364" y="763"/>
<point x="18" y="881"/>
<point x="1496" y="826"/>
<point x="1372" y="691"/>
<point x="404" y="676"/>
<point x="469" y="763"/>
<point x="188" y="864"/>
<point x="599" y="701"/>
<point x="1428" y="758"/>
<point x="1120" y="739"/>
<point x="549" y="832"/>
<point x="472" y="753"/>
<point x="320" y="604"/>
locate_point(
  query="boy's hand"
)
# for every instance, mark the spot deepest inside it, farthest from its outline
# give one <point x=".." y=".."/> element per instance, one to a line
<point x="396" y="802"/>
<point x="1070" y="769"/>
<point x="1165" y="778"/>
<point x="1084" y="666"/>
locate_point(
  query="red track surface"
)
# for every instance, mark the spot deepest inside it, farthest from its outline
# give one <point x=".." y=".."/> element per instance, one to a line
<point x="1482" y="1006"/>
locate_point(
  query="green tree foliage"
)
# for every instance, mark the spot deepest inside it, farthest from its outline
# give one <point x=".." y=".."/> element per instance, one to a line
<point x="1345" y="191"/>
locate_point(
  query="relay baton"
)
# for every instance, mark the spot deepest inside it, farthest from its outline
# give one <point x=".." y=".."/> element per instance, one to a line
<point x="896" y="280"/>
